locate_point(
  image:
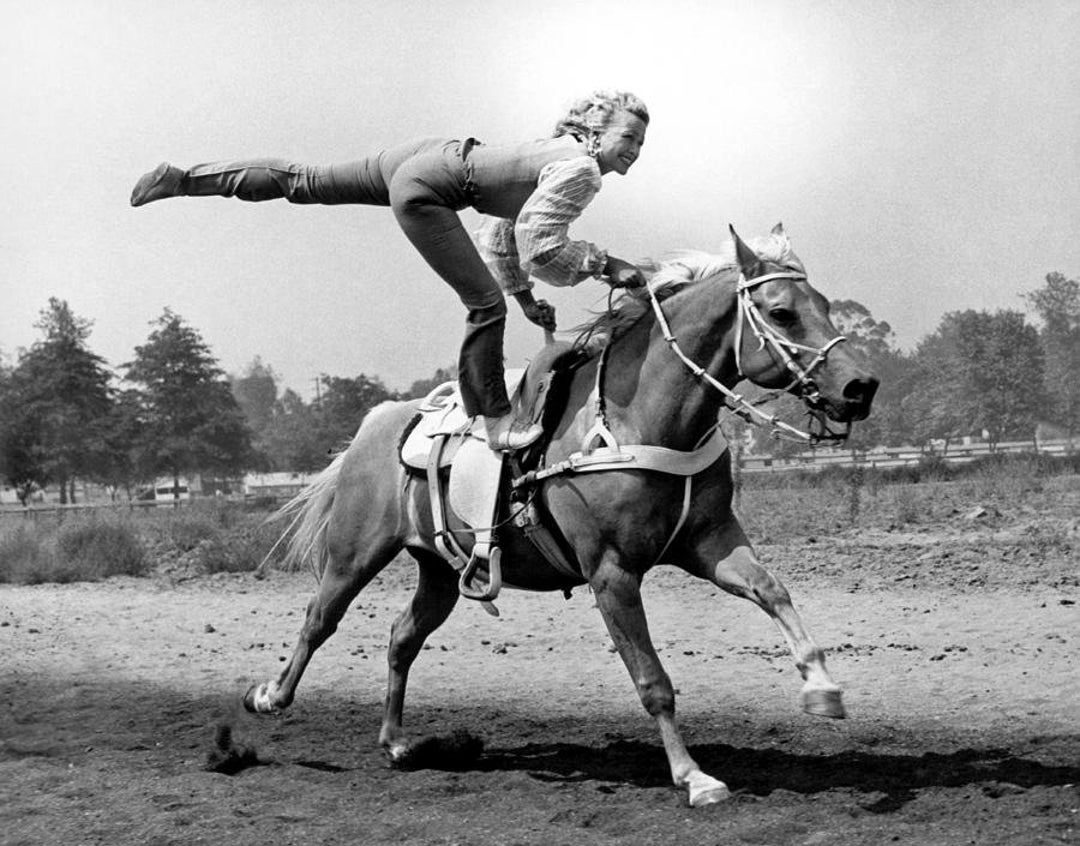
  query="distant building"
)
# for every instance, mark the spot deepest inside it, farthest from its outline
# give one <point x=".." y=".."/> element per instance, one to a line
<point x="167" y="489"/>
<point x="276" y="485"/>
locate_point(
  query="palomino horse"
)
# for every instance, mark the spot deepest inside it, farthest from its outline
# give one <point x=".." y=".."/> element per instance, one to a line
<point x="704" y="323"/>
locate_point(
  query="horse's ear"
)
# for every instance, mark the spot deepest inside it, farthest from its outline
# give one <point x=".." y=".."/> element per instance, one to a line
<point x="778" y="229"/>
<point x="747" y="258"/>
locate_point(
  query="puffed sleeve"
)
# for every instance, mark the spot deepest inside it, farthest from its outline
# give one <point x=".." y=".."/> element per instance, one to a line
<point x="497" y="247"/>
<point x="541" y="230"/>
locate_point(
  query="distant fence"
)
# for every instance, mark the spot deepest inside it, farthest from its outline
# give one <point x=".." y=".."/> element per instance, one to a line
<point x="53" y="509"/>
<point x="884" y="458"/>
<point x="880" y="458"/>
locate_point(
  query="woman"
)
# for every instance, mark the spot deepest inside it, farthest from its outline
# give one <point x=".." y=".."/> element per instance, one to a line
<point x="532" y="191"/>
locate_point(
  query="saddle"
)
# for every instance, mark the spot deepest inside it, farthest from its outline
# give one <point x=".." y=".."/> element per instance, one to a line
<point x="465" y="475"/>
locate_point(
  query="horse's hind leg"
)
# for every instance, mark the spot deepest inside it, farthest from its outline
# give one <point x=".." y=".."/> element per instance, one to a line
<point x="434" y="599"/>
<point x="728" y="560"/>
<point x="347" y="572"/>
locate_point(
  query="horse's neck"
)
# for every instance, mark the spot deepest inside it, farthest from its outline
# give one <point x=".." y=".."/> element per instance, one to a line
<point x="651" y="392"/>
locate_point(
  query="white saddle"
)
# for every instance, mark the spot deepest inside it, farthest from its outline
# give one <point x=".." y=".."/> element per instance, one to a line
<point x="443" y="413"/>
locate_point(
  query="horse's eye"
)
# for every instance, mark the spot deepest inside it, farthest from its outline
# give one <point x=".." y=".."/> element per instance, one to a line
<point x="783" y="316"/>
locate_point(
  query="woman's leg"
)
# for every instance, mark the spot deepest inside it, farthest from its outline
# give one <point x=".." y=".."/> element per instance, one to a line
<point x="431" y="223"/>
<point x="438" y="235"/>
<point x="256" y="180"/>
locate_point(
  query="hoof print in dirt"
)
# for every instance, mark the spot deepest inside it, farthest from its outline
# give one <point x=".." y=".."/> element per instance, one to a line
<point x="457" y="751"/>
<point x="227" y="756"/>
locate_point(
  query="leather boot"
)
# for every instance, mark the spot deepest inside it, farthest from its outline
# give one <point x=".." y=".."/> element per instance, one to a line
<point x="163" y="181"/>
<point x="506" y="433"/>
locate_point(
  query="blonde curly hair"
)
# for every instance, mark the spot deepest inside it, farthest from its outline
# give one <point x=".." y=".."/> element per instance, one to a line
<point x="596" y="111"/>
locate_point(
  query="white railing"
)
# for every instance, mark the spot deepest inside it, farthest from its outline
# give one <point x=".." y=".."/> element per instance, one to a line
<point x="889" y="457"/>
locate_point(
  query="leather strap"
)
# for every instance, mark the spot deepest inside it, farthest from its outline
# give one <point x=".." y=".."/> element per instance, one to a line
<point x="444" y="542"/>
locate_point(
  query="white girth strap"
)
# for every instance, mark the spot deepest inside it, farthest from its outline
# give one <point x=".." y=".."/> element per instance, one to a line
<point x="616" y="456"/>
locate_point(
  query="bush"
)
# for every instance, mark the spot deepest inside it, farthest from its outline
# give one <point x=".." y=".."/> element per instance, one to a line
<point x="211" y="536"/>
<point x="237" y="551"/>
<point x="99" y="550"/>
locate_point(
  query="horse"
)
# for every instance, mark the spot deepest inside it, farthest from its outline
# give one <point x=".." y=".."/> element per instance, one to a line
<point x="671" y="356"/>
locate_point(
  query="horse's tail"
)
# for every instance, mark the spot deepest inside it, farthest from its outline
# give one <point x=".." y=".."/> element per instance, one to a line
<point x="306" y="516"/>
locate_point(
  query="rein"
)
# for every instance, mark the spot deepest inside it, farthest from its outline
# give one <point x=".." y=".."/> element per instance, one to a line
<point x="785" y="348"/>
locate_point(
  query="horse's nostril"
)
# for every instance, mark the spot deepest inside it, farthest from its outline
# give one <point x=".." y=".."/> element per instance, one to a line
<point x="861" y="390"/>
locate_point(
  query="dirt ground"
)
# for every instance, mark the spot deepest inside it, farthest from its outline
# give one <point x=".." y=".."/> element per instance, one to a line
<point x="956" y="646"/>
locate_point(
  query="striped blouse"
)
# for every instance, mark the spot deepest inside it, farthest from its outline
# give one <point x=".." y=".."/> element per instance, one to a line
<point x="537" y="243"/>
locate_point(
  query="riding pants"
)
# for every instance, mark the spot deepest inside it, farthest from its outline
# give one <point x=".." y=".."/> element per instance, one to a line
<point x="425" y="183"/>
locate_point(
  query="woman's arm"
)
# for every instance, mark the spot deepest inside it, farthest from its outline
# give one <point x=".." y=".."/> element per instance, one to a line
<point x="495" y="241"/>
<point x="541" y="231"/>
<point x="497" y="247"/>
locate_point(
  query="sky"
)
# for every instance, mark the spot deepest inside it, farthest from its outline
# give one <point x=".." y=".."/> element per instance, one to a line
<point x="922" y="154"/>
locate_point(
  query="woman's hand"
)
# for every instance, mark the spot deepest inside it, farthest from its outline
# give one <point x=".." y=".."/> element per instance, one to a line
<point x="622" y="274"/>
<point x="540" y="312"/>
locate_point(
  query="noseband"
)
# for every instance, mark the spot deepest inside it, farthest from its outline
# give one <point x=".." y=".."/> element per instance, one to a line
<point x="785" y="348"/>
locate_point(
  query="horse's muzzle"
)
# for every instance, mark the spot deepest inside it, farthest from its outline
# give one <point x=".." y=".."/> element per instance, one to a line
<point x="852" y="405"/>
<point x="858" y="397"/>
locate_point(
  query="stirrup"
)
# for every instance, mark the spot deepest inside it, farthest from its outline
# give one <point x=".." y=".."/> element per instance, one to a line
<point x="494" y="580"/>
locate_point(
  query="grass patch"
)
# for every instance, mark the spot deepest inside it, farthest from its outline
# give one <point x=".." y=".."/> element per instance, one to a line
<point x="204" y="538"/>
<point x="24" y="558"/>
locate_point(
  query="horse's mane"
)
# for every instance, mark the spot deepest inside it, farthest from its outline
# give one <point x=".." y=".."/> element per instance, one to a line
<point x="676" y="272"/>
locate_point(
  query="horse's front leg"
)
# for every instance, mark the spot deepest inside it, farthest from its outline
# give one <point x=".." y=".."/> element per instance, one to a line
<point x="618" y="595"/>
<point x="727" y="559"/>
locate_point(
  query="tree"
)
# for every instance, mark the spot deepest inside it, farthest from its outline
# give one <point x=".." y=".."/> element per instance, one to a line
<point x="871" y="338"/>
<point x="422" y="387"/>
<point x="189" y="420"/>
<point x="293" y="439"/>
<point x="345" y="403"/>
<point x="56" y="400"/>
<point x="1057" y="304"/>
<point x="292" y="435"/>
<point x="119" y="445"/>
<point x="22" y="457"/>
<point x="256" y="394"/>
<point x="978" y="372"/>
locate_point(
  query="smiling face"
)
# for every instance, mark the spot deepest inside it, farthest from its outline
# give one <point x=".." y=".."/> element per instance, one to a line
<point x="620" y="143"/>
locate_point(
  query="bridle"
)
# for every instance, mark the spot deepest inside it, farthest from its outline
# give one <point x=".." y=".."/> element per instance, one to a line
<point x="786" y="349"/>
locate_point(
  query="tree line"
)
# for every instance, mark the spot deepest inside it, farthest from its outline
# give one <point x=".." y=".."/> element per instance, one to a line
<point x="172" y="411"/>
<point x="989" y="374"/>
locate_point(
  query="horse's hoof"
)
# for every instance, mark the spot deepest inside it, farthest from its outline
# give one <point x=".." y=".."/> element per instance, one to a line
<point x="397" y="755"/>
<point x="824" y="703"/>
<point x="706" y="790"/>
<point x="257" y="700"/>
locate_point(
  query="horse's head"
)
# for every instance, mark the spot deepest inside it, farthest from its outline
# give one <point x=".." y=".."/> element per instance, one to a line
<point x="786" y="339"/>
